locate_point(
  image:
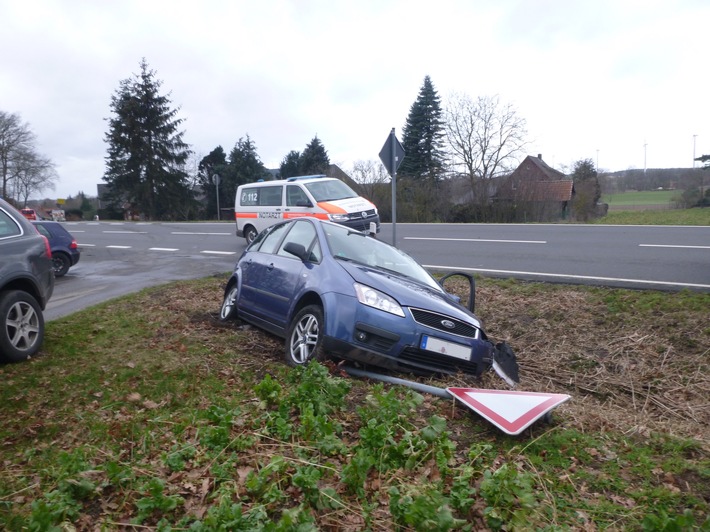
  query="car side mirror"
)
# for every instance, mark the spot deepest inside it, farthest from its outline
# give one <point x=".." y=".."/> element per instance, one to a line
<point x="296" y="249"/>
<point x="304" y="203"/>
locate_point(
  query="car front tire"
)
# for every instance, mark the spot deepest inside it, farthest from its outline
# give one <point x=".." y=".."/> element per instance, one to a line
<point x="305" y="336"/>
<point x="229" y="305"/>
<point x="60" y="263"/>
<point x="22" y="325"/>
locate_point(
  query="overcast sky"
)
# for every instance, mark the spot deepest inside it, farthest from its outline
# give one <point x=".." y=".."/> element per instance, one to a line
<point x="621" y="82"/>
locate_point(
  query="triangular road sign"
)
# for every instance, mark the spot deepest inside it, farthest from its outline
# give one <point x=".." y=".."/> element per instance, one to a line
<point x="510" y="411"/>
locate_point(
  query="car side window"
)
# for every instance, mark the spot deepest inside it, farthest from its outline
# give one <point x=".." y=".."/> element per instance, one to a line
<point x="8" y="226"/>
<point x="301" y="233"/>
<point x="43" y="230"/>
<point x="272" y="240"/>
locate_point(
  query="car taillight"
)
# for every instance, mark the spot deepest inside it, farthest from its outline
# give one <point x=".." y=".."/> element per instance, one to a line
<point x="47" y="249"/>
<point x="73" y="245"/>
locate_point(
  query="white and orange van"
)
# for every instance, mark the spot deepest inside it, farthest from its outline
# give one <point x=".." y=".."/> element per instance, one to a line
<point x="259" y="205"/>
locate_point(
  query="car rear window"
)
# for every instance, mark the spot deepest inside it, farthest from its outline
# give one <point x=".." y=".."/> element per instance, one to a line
<point x="8" y="226"/>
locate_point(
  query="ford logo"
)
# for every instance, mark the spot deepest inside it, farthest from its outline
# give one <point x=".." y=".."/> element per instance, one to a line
<point x="448" y="324"/>
<point x="363" y="214"/>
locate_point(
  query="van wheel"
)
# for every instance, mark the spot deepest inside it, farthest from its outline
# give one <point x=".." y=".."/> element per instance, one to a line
<point x="250" y="234"/>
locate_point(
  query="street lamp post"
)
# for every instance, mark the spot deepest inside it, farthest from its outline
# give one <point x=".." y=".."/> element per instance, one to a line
<point x="694" y="137"/>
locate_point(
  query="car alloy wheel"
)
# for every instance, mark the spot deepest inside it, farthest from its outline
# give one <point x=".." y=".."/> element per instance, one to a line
<point x="305" y="336"/>
<point x="22" y="325"/>
<point x="229" y="305"/>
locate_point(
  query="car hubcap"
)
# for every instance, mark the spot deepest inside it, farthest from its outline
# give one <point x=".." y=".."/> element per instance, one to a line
<point x="304" y="339"/>
<point x="22" y="326"/>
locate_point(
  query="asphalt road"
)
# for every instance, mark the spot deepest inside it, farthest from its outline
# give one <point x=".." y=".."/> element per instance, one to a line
<point x="118" y="258"/>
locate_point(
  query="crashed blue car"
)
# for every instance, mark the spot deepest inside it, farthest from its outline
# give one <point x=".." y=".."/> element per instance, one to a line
<point x="331" y="291"/>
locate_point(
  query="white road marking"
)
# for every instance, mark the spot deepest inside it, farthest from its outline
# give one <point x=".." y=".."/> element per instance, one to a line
<point x="189" y="233"/>
<point x="126" y="232"/>
<point x="671" y="246"/>
<point x="163" y="249"/>
<point x="220" y="252"/>
<point x="119" y="247"/>
<point x="478" y="240"/>
<point x="568" y="276"/>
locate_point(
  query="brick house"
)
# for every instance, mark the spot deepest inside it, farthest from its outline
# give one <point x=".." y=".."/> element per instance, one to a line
<point x="535" y="192"/>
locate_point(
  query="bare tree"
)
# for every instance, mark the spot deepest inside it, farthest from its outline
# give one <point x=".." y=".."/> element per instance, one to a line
<point x="15" y="138"/>
<point x="485" y="139"/>
<point x="374" y="182"/>
<point x="31" y="173"/>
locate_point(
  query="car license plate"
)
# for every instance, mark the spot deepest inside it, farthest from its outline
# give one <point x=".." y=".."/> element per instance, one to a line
<point x="443" y="347"/>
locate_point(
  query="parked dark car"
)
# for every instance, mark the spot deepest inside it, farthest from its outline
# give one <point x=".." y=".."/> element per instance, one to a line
<point x="26" y="284"/>
<point x="328" y="289"/>
<point x="65" y="250"/>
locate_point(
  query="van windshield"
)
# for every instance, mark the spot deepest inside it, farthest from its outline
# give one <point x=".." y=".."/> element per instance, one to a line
<point x="330" y="190"/>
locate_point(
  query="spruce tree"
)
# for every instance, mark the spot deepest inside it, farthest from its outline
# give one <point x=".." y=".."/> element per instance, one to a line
<point x="290" y="165"/>
<point x="211" y="166"/>
<point x="314" y="159"/>
<point x="422" y="137"/>
<point x="244" y="166"/>
<point x="146" y="154"/>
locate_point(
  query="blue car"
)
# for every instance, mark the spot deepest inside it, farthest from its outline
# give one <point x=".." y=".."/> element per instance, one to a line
<point x="331" y="291"/>
<point x="65" y="250"/>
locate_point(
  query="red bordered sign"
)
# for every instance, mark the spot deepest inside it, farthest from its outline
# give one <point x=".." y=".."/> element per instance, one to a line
<point x="510" y="411"/>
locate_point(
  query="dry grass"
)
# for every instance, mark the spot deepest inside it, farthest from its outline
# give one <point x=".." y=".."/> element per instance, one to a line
<point x="635" y="370"/>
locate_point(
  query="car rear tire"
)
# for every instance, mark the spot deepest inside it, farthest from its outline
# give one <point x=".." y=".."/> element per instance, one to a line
<point x="228" y="311"/>
<point x="22" y="325"/>
<point x="305" y="336"/>
<point x="250" y="234"/>
<point x="60" y="263"/>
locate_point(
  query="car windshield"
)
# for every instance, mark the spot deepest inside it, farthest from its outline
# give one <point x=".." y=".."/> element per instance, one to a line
<point x="330" y="190"/>
<point x="346" y="244"/>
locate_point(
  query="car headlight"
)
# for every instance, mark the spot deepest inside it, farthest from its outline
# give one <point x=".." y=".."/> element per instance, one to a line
<point x="339" y="217"/>
<point x="376" y="299"/>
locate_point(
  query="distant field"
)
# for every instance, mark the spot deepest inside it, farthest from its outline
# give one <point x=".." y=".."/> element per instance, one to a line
<point x="651" y="216"/>
<point x="647" y="197"/>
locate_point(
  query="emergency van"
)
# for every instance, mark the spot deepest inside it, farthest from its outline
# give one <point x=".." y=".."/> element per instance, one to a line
<point x="259" y="205"/>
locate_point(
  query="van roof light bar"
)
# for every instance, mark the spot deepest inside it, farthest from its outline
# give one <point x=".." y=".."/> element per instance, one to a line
<point x="296" y="178"/>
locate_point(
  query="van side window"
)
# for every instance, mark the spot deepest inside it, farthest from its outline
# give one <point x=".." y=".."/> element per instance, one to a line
<point x="295" y="197"/>
<point x="261" y="196"/>
<point x="270" y="196"/>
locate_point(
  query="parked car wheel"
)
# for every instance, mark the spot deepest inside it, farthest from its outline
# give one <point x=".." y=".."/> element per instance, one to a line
<point x="60" y="263"/>
<point x="305" y="336"/>
<point x="22" y="324"/>
<point x="229" y="305"/>
<point x="250" y="234"/>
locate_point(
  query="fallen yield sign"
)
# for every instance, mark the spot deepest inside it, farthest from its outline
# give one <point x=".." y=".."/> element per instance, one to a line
<point x="510" y="411"/>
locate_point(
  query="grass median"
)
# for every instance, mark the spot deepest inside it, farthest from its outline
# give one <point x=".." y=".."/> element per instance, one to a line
<point x="146" y="412"/>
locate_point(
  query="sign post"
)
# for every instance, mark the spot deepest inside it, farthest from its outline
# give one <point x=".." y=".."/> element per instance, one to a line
<point x="216" y="187"/>
<point x="391" y="156"/>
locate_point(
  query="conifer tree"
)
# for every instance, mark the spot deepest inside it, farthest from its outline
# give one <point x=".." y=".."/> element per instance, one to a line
<point x="211" y="166"/>
<point x="290" y="165"/>
<point x="314" y="159"/>
<point x="146" y="154"/>
<point x="422" y="137"/>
